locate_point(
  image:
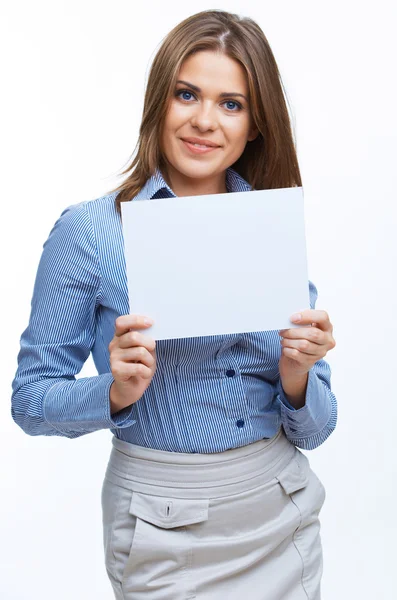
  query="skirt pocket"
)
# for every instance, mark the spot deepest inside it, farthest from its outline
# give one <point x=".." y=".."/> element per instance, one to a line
<point x="295" y="476"/>
<point x="118" y="531"/>
<point x="160" y="556"/>
<point x="307" y="493"/>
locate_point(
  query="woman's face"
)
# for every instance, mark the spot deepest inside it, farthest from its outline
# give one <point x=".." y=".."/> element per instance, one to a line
<point x="208" y="122"/>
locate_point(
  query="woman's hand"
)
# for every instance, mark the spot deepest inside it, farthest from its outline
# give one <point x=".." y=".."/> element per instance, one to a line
<point x="304" y="346"/>
<point x="132" y="361"/>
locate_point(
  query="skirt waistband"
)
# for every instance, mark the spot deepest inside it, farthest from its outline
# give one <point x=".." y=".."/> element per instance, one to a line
<point x="194" y="475"/>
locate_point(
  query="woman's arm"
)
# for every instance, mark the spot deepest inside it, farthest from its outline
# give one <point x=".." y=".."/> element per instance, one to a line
<point x="309" y="426"/>
<point x="47" y="399"/>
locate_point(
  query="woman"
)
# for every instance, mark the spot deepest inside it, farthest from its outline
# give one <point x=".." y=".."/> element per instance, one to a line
<point x="206" y="494"/>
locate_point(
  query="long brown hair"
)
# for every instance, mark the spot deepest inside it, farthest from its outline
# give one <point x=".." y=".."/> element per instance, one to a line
<point x="269" y="161"/>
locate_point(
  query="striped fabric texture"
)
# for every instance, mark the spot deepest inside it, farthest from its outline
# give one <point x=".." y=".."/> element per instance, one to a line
<point x="208" y="394"/>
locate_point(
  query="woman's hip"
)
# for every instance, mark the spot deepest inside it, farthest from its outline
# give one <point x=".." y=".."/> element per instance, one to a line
<point x="209" y="526"/>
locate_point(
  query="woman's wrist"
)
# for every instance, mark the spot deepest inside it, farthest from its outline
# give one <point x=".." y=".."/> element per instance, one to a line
<point x="294" y="388"/>
<point x="115" y="403"/>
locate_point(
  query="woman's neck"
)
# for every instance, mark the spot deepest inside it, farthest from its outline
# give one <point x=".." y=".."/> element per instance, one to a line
<point x="182" y="185"/>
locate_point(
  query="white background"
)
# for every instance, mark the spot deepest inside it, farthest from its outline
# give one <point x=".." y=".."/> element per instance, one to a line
<point x="72" y="79"/>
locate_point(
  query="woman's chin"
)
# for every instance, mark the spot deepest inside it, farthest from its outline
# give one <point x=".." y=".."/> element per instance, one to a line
<point x="198" y="170"/>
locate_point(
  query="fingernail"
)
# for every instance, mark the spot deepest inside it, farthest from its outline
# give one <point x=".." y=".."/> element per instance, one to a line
<point x="296" y="317"/>
<point x="147" y="321"/>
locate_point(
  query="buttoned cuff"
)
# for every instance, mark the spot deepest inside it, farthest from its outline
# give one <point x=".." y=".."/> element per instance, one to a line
<point x="310" y="418"/>
<point x="83" y="406"/>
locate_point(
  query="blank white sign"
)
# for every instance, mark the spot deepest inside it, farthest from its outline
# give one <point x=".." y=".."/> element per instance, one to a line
<point x="217" y="264"/>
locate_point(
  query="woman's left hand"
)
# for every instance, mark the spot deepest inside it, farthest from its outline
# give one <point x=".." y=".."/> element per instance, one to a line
<point x="304" y="346"/>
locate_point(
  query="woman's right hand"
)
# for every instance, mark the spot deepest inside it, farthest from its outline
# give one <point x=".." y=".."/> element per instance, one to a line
<point x="132" y="361"/>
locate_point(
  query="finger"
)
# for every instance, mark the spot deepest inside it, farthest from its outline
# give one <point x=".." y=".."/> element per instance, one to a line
<point x="126" y="322"/>
<point x="303" y="346"/>
<point x="137" y="355"/>
<point x="304" y="360"/>
<point x="309" y="315"/>
<point x="313" y="334"/>
<point x="123" y="371"/>
<point x="134" y="338"/>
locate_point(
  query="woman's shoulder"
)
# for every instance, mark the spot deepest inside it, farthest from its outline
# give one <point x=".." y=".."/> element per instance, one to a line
<point x="100" y="204"/>
<point x="89" y="212"/>
<point x="95" y="208"/>
<point x="104" y="218"/>
<point x="86" y="221"/>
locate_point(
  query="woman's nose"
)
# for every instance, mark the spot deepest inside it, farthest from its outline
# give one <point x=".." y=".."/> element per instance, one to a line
<point x="204" y="117"/>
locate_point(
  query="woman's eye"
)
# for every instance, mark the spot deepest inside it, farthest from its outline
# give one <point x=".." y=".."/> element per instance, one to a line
<point x="231" y="105"/>
<point x="185" y="94"/>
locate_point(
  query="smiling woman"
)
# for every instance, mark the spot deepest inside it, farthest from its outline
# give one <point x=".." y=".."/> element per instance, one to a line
<point x="206" y="494"/>
<point x="214" y="78"/>
<point x="205" y="129"/>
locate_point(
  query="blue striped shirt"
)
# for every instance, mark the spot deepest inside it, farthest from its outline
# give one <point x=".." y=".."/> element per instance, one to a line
<point x="208" y="393"/>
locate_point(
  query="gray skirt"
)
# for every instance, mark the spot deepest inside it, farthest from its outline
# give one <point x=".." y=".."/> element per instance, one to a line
<point x="240" y="524"/>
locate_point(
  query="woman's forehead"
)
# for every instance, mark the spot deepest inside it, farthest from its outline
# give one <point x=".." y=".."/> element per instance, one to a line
<point x="215" y="69"/>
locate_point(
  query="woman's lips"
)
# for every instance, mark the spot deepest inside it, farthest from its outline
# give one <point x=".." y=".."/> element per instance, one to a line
<point x="199" y="149"/>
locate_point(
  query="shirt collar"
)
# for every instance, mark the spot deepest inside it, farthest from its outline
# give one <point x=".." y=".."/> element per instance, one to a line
<point x="234" y="183"/>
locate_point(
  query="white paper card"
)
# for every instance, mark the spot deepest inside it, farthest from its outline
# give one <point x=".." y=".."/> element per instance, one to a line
<point x="217" y="264"/>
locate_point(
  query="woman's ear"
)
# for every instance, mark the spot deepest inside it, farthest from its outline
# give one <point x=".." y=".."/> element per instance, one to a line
<point x="253" y="133"/>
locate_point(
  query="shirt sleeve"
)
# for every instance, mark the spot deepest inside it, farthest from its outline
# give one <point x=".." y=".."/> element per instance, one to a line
<point x="311" y="425"/>
<point x="47" y="399"/>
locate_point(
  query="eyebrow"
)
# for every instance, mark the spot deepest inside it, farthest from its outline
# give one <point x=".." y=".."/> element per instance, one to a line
<point x="223" y="95"/>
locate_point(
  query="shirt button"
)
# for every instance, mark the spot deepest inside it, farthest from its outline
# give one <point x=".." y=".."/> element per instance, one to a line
<point x="230" y="372"/>
<point x="240" y="423"/>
